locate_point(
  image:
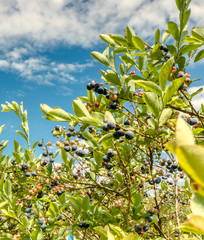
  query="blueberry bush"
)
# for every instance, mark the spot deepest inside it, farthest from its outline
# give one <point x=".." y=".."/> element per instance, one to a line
<point x="124" y="150"/>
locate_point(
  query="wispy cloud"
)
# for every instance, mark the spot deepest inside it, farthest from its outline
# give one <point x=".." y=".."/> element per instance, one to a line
<point x="30" y="27"/>
<point x="63" y="91"/>
<point x="14" y="93"/>
<point x="41" y="70"/>
<point x="44" y="23"/>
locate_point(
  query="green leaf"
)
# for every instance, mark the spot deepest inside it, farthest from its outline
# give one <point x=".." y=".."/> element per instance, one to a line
<point x="199" y="56"/>
<point x="89" y="120"/>
<point x="106" y="52"/>
<point x="112" y="60"/>
<point x="188" y="48"/>
<point x="86" y="203"/>
<point x="119" y="50"/>
<point x="3" y="204"/>
<point x="91" y="96"/>
<point x="98" y="158"/>
<point x="24" y="221"/>
<point x="165" y="72"/>
<point x="106" y="38"/>
<point x="1" y="128"/>
<point x="131" y="237"/>
<point x="191" y="160"/>
<point x="179" y="4"/>
<point x="141" y="62"/>
<point x="128" y="59"/>
<point x="100" y="57"/>
<point x="131" y="86"/>
<point x="197" y="205"/>
<point x="122" y="69"/>
<point x="165" y="36"/>
<point x="181" y="62"/>
<point x="195" y="225"/>
<point x="22" y="135"/>
<point x="197" y="92"/>
<point x="16" y="108"/>
<point x="35" y="144"/>
<point x="165" y="115"/>
<point x="119" y="39"/>
<point x="185" y="18"/>
<point x="117" y="230"/>
<point x="110" y="235"/>
<point x="136" y="199"/>
<point x="164" y="185"/>
<point x="138" y="43"/>
<point x="7" y="188"/>
<point x="129" y="34"/>
<point x="80" y="109"/>
<point x="49" y="168"/>
<point x="106" y="139"/>
<point x="90" y="138"/>
<point x="45" y="108"/>
<point x="183" y="133"/>
<point x="119" y="177"/>
<point x="173" y="29"/>
<point x="98" y="116"/>
<point x="157" y="36"/>
<point x="183" y="36"/>
<point x="152" y="102"/>
<point x="198" y="33"/>
<point x="111" y="78"/>
<point x="93" y="176"/>
<point x="60" y="113"/>
<point x="153" y="87"/>
<point x="171" y="89"/>
<point x="64" y="157"/>
<point x="108" y="115"/>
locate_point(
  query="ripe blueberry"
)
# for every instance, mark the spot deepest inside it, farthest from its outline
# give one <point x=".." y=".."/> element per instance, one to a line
<point x="110" y="153"/>
<point x="41" y="221"/>
<point x="193" y="121"/>
<point x="127" y="122"/>
<point x="129" y="135"/>
<point x="106" y="158"/>
<point x="108" y="166"/>
<point x="111" y="125"/>
<point x="27" y="174"/>
<point x="105" y="128"/>
<point x="116" y="135"/>
<point x="138" y="229"/>
<point x="67" y="148"/>
<point x="43" y="226"/>
<point x="113" y="105"/>
<point x="71" y="129"/>
<point x="145" y="228"/>
<point x="157" y="180"/>
<point x="57" y="127"/>
<point x="28" y="210"/>
<point x="149" y="218"/>
<point x="89" y="86"/>
<point x="100" y="90"/>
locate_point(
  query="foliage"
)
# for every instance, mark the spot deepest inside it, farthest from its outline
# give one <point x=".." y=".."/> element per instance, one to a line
<point x="119" y="178"/>
<point x="191" y="159"/>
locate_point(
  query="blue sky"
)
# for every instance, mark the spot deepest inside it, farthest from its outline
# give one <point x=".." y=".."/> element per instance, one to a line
<point x="45" y="50"/>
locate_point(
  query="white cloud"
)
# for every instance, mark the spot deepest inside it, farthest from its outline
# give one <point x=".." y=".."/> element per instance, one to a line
<point x="3" y="64"/>
<point x="198" y="99"/>
<point x="48" y="22"/>
<point x="41" y="70"/>
<point x="30" y="27"/>
<point x="14" y="93"/>
<point x="63" y="91"/>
